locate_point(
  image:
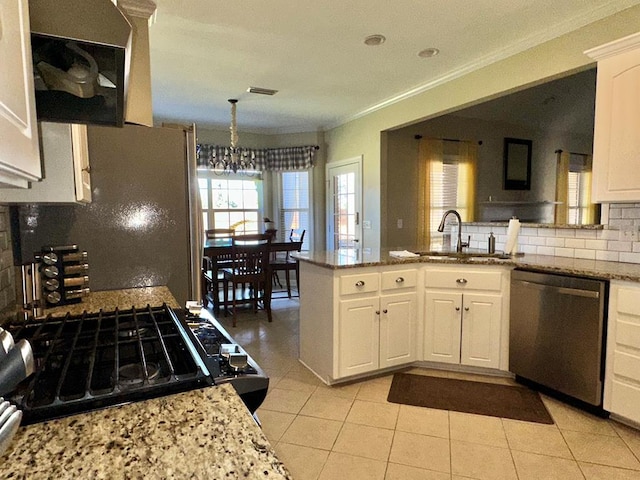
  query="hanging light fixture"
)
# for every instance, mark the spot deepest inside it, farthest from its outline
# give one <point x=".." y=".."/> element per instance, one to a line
<point x="234" y="159"/>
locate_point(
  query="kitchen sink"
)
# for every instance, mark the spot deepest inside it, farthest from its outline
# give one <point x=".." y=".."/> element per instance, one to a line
<point x="463" y="255"/>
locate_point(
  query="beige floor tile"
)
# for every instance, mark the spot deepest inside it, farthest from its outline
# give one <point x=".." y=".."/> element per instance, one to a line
<point x="536" y="438"/>
<point x="364" y="441"/>
<point x="349" y="390"/>
<point x="482" y="462"/>
<point x="421" y="451"/>
<point x="404" y="472"/>
<point x="383" y="415"/>
<point x="312" y="432"/>
<point x="342" y="467"/>
<point x="631" y="437"/>
<point x="373" y="391"/>
<point x="274" y="424"/>
<point x="477" y="429"/>
<point x="601" y="472"/>
<point x="531" y="466"/>
<point x="570" y="418"/>
<point x="600" y="449"/>
<point x="288" y="401"/>
<point x="331" y="407"/>
<point x="304" y="463"/>
<point x="425" y="421"/>
<point x="288" y="383"/>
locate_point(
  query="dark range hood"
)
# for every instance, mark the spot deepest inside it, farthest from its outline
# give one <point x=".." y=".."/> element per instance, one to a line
<point x="81" y="58"/>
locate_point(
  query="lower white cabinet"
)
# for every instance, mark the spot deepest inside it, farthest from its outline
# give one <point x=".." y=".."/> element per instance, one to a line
<point x="462" y="328"/>
<point x="622" y="372"/>
<point x="376" y="332"/>
<point x="465" y="316"/>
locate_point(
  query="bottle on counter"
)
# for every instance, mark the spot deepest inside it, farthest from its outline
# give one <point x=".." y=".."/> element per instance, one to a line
<point x="491" y="243"/>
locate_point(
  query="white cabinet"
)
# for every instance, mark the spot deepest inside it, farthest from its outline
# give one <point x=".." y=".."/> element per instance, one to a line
<point x="378" y="330"/>
<point x="622" y="372"/>
<point x="616" y="143"/>
<point x="464" y="317"/>
<point x="67" y="177"/>
<point x="19" y="153"/>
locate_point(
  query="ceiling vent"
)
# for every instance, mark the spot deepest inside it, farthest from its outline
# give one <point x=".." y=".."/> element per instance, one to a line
<point x="262" y="91"/>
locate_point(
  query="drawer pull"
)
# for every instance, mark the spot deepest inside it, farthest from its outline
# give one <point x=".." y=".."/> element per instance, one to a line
<point x="377" y="312"/>
<point x="399" y="280"/>
<point x="457" y="309"/>
<point x="384" y="311"/>
<point x="461" y="281"/>
<point x="466" y="309"/>
<point x="359" y="283"/>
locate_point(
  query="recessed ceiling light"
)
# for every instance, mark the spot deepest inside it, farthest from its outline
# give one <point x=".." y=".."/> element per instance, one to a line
<point x="374" y="40"/>
<point x="428" y="52"/>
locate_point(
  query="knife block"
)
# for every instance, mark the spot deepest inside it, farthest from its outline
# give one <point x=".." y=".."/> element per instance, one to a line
<point x="64" y="274"/>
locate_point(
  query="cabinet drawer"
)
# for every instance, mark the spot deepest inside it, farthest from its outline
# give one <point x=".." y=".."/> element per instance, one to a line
<point x="399" y="279"/>
<point x="463" y="279"/>
<point x="628" y="301"/>
<point x="362" y="283"/>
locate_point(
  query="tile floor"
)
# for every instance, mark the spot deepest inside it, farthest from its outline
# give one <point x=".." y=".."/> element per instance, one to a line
<point x="351" y="432"/>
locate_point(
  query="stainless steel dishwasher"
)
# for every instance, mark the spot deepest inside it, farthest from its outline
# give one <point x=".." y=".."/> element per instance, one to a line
<point x="557" y="333"/>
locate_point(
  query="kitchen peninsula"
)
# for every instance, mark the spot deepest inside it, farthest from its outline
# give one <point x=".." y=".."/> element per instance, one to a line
<point x="361" y="316"/>
<point x="201" y="433"/>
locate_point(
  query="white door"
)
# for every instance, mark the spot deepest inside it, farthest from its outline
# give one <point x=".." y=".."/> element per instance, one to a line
<point x="358" y="336"/>
<point x="481" y="330"/>
<point x="19" y="151"/>
<point x="397" y="329"/>
<point x="442" y="324"/>
<point x="344" y="197"/>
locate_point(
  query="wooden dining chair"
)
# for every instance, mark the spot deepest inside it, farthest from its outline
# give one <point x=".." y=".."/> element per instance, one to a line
<point x="250" y="265"/>
<point x="212" y="274"/>
<point x="283" y="261"/>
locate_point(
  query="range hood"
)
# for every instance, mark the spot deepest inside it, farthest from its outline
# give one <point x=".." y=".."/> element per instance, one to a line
<point x="81" y="59"/>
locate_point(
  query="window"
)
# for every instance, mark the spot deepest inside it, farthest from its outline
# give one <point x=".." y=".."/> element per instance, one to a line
<point x="578" y="194"/>
<point x="230" y="202"/>
<point x="293" y="205"/>
<point x="448" y="169"/>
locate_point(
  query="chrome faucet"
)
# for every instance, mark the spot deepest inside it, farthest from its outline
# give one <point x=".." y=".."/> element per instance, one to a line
<point x="441" y="229"/>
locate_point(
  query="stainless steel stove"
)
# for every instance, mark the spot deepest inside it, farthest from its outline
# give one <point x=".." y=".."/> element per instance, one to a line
<point x="90" y="361"/>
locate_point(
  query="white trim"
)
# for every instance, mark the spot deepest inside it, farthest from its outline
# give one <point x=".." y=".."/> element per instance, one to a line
<point x="329" y="206"/>
<point x="615" y="47"/>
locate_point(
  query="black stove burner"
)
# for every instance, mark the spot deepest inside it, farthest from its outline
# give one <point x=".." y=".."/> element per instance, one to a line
<point x="91" y="361"/>
<point x="133" y="374"/>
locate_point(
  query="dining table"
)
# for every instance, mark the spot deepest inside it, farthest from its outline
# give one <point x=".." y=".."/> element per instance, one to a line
<point x="218" y="251"/>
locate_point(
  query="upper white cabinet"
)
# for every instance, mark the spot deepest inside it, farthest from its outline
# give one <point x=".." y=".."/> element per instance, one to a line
<point x="65" y="154"/>
<point x="19" y="152"/>
<point x="616" y="144"/>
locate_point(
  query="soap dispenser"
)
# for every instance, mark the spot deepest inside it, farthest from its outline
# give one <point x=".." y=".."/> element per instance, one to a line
<point x="491" y="243"/>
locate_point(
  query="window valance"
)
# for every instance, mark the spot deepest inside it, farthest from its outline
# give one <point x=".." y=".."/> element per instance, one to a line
<point x="271" y="159"/>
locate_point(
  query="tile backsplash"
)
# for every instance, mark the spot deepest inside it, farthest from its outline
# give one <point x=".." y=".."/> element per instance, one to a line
<point x="7" y="270"/>
<point x="619" y="241"/>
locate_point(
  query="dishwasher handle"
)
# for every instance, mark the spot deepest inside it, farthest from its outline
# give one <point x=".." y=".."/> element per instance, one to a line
<point x="576" y="292"/>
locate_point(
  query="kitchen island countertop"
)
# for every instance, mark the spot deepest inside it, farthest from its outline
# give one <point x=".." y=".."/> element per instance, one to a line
<point x="206" y="433"/>
<point x="563" y="265"/>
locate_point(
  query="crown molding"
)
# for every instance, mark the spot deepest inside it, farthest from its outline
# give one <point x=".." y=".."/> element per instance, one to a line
<point x="138" y="8"/>
<point x="613" y="48"/>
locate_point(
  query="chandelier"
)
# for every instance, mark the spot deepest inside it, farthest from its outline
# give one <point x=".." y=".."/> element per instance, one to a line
<point x="234" y="159"/>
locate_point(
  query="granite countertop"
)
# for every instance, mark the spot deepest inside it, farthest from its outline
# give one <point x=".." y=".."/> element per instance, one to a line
<point x="109" y="300"/>
<point x="205" y="433"/>
<point x="572" y="266"/>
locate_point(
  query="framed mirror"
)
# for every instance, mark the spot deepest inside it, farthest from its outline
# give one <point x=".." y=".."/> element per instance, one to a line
<point x="517" y="164"/>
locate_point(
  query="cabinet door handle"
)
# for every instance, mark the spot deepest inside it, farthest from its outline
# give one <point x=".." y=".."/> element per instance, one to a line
<point x="377" y="312"/>
<point x="466" y="309"/>
<point x="87" y="169"/>
<point x="359" y="283"/>
<point x="461" y="281"/>
<point x="399" y="280"/>
<point x="457" y="309"/>
<point x="384" y="311"/>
